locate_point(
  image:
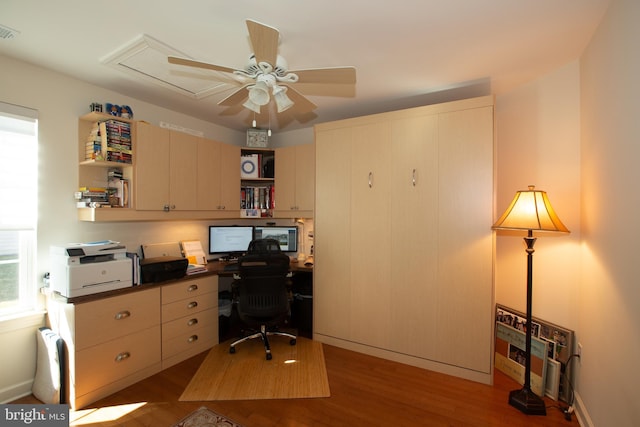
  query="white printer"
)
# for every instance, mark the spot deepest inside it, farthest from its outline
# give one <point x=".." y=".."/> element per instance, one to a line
<point x="88" y="268"/>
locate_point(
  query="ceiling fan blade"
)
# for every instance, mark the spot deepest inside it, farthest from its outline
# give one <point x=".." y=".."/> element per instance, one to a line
<point x="301" y="104"/>
<point x="264" y="40"/>
<point x="341" y="75"/>
<point x="235" y="98"/>
<point x="198" y="64"/>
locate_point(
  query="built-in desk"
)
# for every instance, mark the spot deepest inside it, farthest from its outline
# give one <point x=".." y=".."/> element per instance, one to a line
<point x="301" y="299"/>
<point x="218" y="267"/>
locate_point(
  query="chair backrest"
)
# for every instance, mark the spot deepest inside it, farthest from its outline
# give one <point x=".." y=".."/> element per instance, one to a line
<point x="262" y="288"/>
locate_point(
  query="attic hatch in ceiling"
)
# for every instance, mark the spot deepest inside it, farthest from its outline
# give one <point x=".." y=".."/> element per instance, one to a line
<point x="146" y="58"/>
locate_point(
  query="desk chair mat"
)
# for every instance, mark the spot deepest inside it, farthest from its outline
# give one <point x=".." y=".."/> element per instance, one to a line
<point x="294" y="372"/>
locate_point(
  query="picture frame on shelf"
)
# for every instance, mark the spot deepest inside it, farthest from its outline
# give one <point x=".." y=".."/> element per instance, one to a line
<point x="258" y="138"/>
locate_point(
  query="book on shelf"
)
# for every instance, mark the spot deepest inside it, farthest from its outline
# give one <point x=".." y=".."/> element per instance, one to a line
<point x="110" y="140"/>
<point x="257" y="197"/>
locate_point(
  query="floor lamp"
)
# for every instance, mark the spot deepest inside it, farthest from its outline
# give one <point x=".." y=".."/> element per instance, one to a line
<point x="530" y="210"/>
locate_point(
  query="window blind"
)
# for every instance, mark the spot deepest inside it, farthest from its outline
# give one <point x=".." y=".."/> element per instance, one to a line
<point x="18" y="167"/>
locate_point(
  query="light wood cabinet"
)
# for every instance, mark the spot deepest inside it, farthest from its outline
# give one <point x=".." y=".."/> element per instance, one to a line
<point x="112" y="342"/>
<point x="295" y="181"/>
<point x="166" y="170"/>
<point x="218" y="180"/>
<point x="116" y="341"/>
<point x="403" y="243"/>
<point x="189" y="318"/>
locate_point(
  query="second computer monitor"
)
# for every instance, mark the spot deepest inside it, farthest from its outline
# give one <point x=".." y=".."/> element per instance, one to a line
<point x="287" y="236"/>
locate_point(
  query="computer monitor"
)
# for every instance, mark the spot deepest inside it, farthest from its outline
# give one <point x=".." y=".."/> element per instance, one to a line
<point x="229" y="239"/>
<point x="287" y="236"/>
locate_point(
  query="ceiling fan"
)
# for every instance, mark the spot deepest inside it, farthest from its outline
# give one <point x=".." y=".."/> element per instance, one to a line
<point x="266" y="75"/>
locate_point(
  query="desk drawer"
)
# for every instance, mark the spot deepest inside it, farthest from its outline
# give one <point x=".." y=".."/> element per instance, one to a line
<point x="189" y="306"/>
<point x="109" y="318"/>
<point x="189" y="289"/>
<point x="192" y="341"/>
<point x="187" y="324"/>
<point x="111" y="361"/>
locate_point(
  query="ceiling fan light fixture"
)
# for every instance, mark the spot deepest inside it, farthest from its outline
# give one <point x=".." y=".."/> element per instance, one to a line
<point x="259" y="93"/>
<point x="283" y="102"/>
<point x="250" y="105"/>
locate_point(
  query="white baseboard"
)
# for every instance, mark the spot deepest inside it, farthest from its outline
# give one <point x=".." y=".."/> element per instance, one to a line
<point x="15" y="391"/>
<point x="581" y="412"/>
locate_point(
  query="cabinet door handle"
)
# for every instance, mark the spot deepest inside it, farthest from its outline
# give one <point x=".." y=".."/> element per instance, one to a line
<point x="192" y="304"/>
<point x="192" y="288"/>
<point x="192" y="322"/>
<point x="370" y="179"/>
<point x="165" y="208"/>
<point x="122" y="315"/>
<point x="193" y="338"/>
<point x="413" y="178"/>
<point x="123" y="356"/>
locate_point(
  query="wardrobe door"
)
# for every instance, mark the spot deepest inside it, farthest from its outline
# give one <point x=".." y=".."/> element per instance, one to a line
<point x="414" y="235"/>
<point x="371" y="234"/>
<point x="465" y="242"/>
<point x="332" y="234"/>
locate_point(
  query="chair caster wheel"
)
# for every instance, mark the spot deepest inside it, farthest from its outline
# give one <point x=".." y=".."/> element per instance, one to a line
<point x="232" y="350"/>
<point x="292" y="341"/>
<point x="269" y="356"/>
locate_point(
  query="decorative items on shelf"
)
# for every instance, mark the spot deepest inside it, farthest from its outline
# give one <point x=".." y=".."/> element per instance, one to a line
<point x="123" y="111"/>
<point x="257" y="138"/>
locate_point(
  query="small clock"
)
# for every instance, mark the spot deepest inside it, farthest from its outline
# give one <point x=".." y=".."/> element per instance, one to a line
<point x="257" y="138"/>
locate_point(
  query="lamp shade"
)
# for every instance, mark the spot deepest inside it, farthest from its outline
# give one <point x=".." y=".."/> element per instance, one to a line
<point x="530" y="210"/>
<point x="283" y="102"/>
<point x="252" y="106"/>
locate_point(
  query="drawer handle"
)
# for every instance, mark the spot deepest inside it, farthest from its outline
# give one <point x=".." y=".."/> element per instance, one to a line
<point x="192" y="322"/>
<point x="123" y="356"/>
<point x="123" y="315"/>
<point x="192" y="304"/>
<point x="193" y="338"/>
<point x="192" y="288"/>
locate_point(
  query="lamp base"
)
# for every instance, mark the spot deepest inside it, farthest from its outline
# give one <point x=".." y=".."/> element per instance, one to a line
<point x="527" y="401"/>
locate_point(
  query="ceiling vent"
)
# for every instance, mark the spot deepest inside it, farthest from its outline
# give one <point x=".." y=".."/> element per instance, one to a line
<point x="8" y="33"/>
<point x="146" y="58"/>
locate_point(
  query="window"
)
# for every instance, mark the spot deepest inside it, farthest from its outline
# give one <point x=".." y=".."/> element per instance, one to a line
<point x="19" y="207"/>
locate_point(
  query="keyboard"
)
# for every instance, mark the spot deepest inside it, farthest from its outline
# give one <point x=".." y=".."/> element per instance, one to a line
<point x="231" y="267"/>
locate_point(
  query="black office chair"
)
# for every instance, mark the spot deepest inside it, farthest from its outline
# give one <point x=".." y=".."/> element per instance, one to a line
<point x="260" y="291"/>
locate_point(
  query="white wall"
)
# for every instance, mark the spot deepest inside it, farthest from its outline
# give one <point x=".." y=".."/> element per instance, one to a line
<point x="538" y="131"/>
<point x="609" y="298"/>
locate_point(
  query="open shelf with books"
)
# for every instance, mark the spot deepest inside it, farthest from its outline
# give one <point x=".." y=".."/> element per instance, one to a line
<point x="106" y="162"/>
<point x="257" y="189"/>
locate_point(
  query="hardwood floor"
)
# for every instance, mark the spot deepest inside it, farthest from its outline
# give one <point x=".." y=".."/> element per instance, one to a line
<point x="365" y="391"/>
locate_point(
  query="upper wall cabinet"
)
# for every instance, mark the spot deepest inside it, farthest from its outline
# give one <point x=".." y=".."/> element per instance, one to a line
<point x="403" y="241"/>
<point x="295" y="181"/>
<point x="218" y="181"/>
<point x="166" y="171"/>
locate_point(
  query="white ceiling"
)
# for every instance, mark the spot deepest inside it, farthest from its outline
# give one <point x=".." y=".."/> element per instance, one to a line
<point x="406" y="52"/>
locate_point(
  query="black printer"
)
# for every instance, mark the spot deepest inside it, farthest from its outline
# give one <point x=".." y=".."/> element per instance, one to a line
<point x="161" y="269"/>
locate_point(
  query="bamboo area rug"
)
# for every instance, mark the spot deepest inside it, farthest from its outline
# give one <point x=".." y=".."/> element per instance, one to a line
<point x="205" y="417"/>
<point x="295" y="371"/>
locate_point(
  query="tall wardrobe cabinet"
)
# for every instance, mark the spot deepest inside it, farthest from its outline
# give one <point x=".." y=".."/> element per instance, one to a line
<point x="403" y="241"/>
